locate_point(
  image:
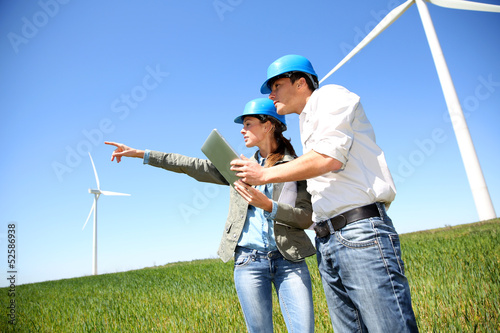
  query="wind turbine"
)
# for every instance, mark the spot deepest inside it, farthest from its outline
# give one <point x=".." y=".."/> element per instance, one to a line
<point x="482" y="199"/>
<point x="96" y="194"/>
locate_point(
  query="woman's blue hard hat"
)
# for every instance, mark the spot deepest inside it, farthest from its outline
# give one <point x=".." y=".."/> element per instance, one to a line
<point x="286" y="64"/>
<point x="261" y="106"/>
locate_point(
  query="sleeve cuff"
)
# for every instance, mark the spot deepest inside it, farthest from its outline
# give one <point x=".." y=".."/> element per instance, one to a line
<point x="146" y="156"/>
<point x="272" y="215"/>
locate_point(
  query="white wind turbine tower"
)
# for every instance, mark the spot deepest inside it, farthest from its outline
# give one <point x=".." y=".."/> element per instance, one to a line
<point x="482" y="199"/>
<point x="96" y="194"/>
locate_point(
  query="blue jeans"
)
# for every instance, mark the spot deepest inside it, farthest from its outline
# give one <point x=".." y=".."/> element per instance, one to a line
<point x="254" y="274"/>
<point x="363" y="278"/>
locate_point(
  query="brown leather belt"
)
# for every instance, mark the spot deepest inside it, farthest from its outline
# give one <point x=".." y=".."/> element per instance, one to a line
<point x="338" y="222"/>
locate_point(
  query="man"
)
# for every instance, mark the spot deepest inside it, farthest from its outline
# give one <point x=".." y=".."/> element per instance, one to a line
<point x="358" y="249"/>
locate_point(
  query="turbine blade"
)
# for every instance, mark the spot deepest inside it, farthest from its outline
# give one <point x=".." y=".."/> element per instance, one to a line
<point x="95" y="172"/>
<point x="466" y="5"/>
<point x="91" y="210"/>
<point x="113" y="193"/>
<point x="384" y="24"/>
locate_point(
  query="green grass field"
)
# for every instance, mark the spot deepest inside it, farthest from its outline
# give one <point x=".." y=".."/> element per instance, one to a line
<point x="454" y="275"/>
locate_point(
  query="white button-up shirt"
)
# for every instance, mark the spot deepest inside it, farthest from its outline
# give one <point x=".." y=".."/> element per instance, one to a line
<point x="334" y="123"/>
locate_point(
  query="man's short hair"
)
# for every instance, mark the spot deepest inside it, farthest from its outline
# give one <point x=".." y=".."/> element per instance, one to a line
<point x="311" y="80"/>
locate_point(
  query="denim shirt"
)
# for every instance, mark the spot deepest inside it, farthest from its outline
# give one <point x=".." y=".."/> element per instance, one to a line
<point x="258" y="231"/>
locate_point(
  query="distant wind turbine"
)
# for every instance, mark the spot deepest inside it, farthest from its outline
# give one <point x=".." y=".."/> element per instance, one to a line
<point x="482" y="199"/>
<point x="96" y="194"/>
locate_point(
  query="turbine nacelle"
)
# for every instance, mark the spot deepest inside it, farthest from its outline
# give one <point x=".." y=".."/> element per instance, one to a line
<point x="98" y="192"/>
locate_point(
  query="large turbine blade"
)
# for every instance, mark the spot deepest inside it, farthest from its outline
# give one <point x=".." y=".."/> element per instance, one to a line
<point x="95" y="172"/>
<point x="466" y="5"/>
<point x="112" y="193"/>
<point x="480" y="193"/>
<point x="91" y="210"/>
<point x="385" y="23"/>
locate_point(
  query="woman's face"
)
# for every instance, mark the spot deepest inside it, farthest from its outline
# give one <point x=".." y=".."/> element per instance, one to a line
<point x="254" y="132"/>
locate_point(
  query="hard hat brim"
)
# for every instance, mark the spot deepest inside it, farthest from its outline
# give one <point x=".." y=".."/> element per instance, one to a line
<point x="264" y="89"/>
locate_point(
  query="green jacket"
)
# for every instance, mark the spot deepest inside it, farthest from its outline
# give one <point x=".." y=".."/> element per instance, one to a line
<point x="293" y="215"/>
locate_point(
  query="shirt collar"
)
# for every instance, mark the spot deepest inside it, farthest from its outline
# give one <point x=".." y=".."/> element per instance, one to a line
<point x="309" y="101"/>
<point x="260" y="159"/>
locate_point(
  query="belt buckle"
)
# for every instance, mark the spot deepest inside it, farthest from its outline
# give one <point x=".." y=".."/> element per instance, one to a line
<point x="338" y="222"/>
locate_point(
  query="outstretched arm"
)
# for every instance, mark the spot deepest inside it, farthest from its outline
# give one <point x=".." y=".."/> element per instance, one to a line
<point x="309" y="165"/>
<point x="123" y="150"/>
<point x="201" y="170"/>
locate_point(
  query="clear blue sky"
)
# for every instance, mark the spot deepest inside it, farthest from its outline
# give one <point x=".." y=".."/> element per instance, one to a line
<point x="162" y="74"/>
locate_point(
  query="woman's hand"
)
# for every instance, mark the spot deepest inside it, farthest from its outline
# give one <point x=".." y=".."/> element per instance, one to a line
<point x="123" y="150"/>
<point x="253" y="196"/>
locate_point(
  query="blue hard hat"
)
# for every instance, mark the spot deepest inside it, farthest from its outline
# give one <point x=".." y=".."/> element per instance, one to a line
<point x="286" y="64"/>
<point x="261" y="106"/>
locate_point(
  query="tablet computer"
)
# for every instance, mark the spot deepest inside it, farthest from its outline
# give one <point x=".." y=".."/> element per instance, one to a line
<point x="220" y="153"/>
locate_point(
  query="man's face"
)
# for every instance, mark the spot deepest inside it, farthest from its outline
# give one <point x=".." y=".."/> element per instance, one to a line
<point x="285" y="97"/>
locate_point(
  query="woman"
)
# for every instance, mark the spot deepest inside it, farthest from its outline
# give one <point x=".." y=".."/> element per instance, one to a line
<point x="264" y="229"/>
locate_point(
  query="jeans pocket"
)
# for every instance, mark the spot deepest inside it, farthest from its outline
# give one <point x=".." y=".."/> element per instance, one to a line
<point x="241" y="260"/>
<point x="359" y="234"/>
<point x="396" y="246"/>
